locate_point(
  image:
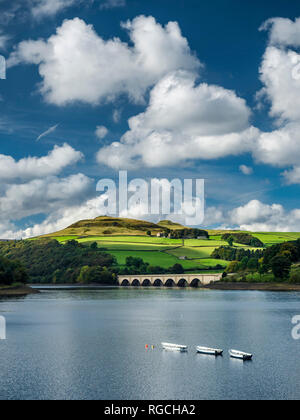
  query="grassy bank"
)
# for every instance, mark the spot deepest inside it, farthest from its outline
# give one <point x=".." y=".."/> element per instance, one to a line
<point x="16" y="291"/>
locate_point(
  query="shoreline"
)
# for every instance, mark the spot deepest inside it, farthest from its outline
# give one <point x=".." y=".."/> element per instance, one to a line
<point x="75" y="286"/>
<point x="271" y="287"/>
<point x="268" y="287"/>
<point x="19" y="291"/>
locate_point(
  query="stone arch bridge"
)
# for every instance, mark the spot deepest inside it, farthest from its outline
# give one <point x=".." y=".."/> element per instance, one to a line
<point x="167" y="280"/>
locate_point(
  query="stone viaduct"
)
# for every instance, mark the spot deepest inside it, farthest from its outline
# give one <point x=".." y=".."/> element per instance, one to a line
<point x="168" y="280"/>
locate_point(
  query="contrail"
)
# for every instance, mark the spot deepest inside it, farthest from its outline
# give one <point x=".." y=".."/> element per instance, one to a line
<point x="46" y="133"/>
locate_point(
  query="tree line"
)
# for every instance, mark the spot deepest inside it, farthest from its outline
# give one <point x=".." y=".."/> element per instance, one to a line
<point x="139" y="266"/>
<point x="12" y="272"/>
<point x="229" y="253"/>
<point x="242" y="238"/>
<point x="48" y="261"/>
<point x="188" y="234"/>
<point x="279" y="260"/>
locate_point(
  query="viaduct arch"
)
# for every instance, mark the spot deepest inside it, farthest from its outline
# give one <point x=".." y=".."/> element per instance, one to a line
<point x="167" y="280"/>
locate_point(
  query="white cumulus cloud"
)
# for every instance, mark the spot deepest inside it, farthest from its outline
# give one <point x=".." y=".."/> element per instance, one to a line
<point x="292" y="176"/>
<point x="183" y="121"/>
<point x="280" y="147"/>
<point x="255" y="211"/>
<point x="35" y="167"/>
<point x="42" y="196"/>
<point x="280" y="75"/>
<point x="76" y="64"/>
<point x="59" y="219"/>
<point x="283" y="31"/>
<point x="256" y="216"/>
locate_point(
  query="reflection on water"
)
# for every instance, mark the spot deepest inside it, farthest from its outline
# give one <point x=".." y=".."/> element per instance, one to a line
<point x="90" y="344"/>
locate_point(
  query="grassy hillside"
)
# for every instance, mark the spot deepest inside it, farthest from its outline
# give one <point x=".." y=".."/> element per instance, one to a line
<point x="164" y="252"/>
<point x="156" y="251"/>
<point x="108" y="226"/>
<point x="170" y="225"/>
<point x="128" y="237"/>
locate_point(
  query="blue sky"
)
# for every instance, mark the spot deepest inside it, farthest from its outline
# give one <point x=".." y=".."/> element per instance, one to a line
<point x="163" y="89"/>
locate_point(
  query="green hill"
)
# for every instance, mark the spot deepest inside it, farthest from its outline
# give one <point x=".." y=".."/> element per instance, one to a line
<point x="109" y="226"/>
<point x="170" y="225"/>
<point x="123" y="238"/>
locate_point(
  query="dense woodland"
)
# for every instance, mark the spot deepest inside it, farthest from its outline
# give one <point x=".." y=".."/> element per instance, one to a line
<point x="48" y="261"/>
<point x="188" y="234"/>
<point x="280" y="262"/>
<point x="12" y="272"/>
<point x="229" y="253"/>
<point x="243" y="238"/>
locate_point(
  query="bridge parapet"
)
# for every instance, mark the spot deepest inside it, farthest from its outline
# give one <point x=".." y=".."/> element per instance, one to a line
<point x="169" y="280"/>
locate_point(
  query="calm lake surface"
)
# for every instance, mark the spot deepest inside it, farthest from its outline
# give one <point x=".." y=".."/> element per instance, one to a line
<point x="90" y="344"/>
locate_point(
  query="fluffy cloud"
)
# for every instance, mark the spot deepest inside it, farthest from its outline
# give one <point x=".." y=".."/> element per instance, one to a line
<point x="292" y="176"/>
<point x="25" y="10"/>
<point x="246" y="170"/>
<point x="259" y="217"/>
<point x="283" y="32"/>
<point x="59" y="219"/>
<point x="280" y="147"/>
<point x="213" y="216"/>
<point x="29" y="187"/>
<point x="34" y="167"/>
<point x="9" y="231"/>
<point x="42" y="196"/>
<point x="183" y="121"/>
<point x="255" y="211"/>
<point x="117" y="115"/>
<point x="78" y="65"/>
<point x="42" y="8"/>
<point x="101" y="132"/>
<point x="280" y="75"/>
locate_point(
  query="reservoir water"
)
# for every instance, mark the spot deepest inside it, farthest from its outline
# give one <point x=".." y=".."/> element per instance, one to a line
<point x="90" y="344"/>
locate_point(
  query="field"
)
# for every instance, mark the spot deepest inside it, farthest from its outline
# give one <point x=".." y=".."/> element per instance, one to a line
<point x="268" y="238"/>
<point x="161" y="252"/>
<point x="192" y="253"/>
<point x="275" y="238"/>
<point x="127" y="237"/>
